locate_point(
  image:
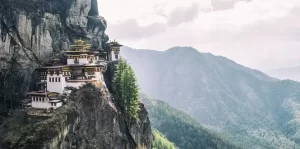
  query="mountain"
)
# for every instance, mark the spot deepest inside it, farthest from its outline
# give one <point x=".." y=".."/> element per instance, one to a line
<point x="178" y="127"/>
<point x="292" y="73"/>
<point x="160" y="142"/>
<point x="248" y="106"/>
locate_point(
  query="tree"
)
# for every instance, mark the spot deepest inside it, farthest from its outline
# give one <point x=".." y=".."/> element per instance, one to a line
<point x="126" y="90"/>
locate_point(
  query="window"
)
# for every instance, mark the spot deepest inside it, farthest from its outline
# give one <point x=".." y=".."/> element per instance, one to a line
<point x="55" y="79"/>
<point x="58" y="79"/>
<point x="55" y="104"/>
<point x="52" y="79"/>
<point x="49" y="79"/>
<point x="43" y="99"/>
<point x="76" y="60"/>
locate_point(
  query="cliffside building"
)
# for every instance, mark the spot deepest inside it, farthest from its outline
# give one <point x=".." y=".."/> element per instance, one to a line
<point x="84" y="65"/>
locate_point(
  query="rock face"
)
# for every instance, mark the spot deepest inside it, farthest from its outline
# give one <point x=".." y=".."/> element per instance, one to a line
<point x="39" y="28"/>
<point x="101" y="125"/>
<point x="90" y="120"/>
<point x="33" y="32"/>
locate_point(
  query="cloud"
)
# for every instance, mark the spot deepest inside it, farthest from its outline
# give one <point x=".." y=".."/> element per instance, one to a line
<point x="262" y="34"/>
<point x="131" y="30"/>
<point x="183" y="14"/>
<point x="224" y="4"/>
<point x="266" y="43"/>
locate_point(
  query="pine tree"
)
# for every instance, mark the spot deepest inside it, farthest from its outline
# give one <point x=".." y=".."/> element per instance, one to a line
<point x="126" y="90"/>
<point x="118" y="82"/>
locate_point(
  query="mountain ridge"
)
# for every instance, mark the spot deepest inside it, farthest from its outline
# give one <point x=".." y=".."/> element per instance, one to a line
<point x="218" y="92"/>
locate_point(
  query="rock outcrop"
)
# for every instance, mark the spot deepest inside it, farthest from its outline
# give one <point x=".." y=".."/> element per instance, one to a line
<point x="90" y="120"/>
<point x="40" y="28"/>
<point x="33" y="32"/>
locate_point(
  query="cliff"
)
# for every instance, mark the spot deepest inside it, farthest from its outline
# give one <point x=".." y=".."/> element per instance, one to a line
<point x="89" y="120"/>
<point x="33" y="32"/>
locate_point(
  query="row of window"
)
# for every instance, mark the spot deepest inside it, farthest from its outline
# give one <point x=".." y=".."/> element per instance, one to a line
<point x="54" y="79"/>
<point x="43" y="78"/>
<point x="39" y="99"/>
<point x="43" y="73"/>
<point x="90" y="60"/>
<point x="53" y="104"/>
<point x="82" y="56"/>
<point x="66" y="73"/>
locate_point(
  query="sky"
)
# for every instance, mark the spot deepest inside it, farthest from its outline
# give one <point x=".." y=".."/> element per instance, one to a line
<point x="261" y="34"/>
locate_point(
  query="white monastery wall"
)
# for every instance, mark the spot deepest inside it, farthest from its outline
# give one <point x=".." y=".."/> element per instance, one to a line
<point x="74" y="84"/>
<point x="83" y="61"/>
<point x="55" y="83"/>
<point x="59" y="104"/>
<point x="38" y="102"/>
<point x="70" y="61"/>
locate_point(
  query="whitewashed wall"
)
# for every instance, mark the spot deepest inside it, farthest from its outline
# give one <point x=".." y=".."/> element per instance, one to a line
<point x="70" y="61"/>
<point x="40" y="104"/>
<point x="56" y="86"/>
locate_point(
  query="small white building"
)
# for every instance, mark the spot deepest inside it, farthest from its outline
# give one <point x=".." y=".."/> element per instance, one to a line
<point x="44" y="100"/>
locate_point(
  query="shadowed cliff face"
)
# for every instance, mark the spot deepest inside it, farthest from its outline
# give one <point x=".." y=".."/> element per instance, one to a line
<point x="33" y="31"/>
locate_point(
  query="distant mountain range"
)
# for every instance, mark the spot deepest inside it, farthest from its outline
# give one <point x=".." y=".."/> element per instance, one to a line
<point x="247" y="106"/>
<point x="292" y="73"/>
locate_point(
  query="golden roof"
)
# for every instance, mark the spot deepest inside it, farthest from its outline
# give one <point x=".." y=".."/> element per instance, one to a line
<point x="114" y="44"/>
<point x="79" y="42"/>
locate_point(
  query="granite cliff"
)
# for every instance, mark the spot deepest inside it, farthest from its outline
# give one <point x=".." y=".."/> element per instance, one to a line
<point x="89" y="120"/>
<point x="32" y="33"/>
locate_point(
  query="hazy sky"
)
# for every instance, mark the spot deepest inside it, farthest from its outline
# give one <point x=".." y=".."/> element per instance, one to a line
<point x="262" y="34"/>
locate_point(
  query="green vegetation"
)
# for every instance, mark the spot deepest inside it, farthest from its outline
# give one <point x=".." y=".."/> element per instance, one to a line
<point x="181" y="129"/>
<point x="126" y="90"/>
<point x="251" y="108"/>
<point x="160" y="142"/>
